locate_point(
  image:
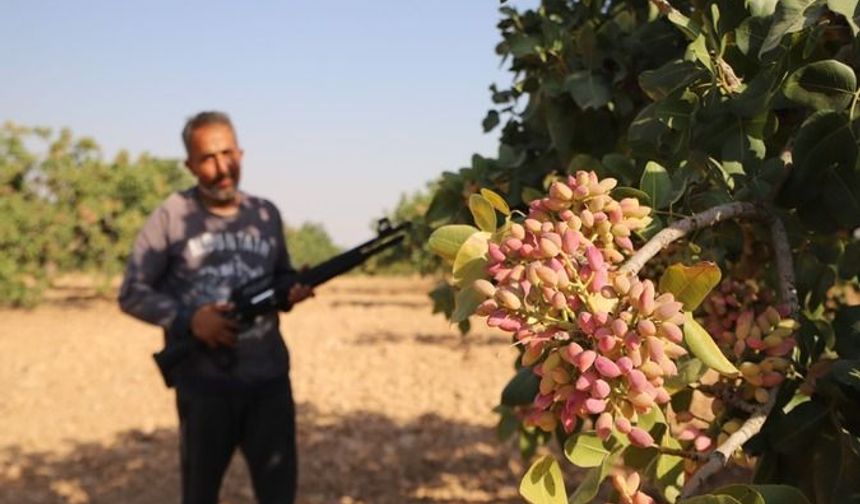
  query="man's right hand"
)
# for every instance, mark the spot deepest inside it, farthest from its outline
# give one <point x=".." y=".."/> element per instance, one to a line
<point x="210" y="325"/>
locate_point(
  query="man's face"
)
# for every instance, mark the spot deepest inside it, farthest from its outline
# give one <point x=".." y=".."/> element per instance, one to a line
<point x="216" y="160"/>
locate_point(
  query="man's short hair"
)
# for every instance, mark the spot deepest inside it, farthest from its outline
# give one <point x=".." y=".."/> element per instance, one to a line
<point x="204" y="119"/>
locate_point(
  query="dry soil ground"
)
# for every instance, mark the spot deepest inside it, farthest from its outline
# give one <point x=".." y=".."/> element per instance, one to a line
<point x="393" y="405"/>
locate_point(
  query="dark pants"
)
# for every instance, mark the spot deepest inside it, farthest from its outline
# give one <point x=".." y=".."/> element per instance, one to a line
<point x="260" y="422"/>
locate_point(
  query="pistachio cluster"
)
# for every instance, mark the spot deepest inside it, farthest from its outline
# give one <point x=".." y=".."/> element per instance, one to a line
<point x="757" y="337"/>
<point x="601" y="341"/>
<point x="739" y="316"/>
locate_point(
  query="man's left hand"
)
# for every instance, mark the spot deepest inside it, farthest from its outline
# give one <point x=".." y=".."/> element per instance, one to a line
<point x="300" y="292"/>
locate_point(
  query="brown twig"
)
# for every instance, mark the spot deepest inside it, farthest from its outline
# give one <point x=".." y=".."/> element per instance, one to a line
<point x="681" y="228"/>
<point x="732" y="398"/>
<point x="718" y="458"/>
<point x="784" y="265"/>
<point x="683" y="453"/>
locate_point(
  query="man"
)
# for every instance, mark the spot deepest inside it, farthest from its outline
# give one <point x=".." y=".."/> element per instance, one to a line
<point x="197" y="246"/>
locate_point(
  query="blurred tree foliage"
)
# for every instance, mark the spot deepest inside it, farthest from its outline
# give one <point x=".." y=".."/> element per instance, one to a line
<point x="66" y="209"/>
<point x="309" y="244"/>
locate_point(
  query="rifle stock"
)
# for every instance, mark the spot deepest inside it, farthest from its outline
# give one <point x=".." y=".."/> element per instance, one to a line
<point x="267" y="294"/>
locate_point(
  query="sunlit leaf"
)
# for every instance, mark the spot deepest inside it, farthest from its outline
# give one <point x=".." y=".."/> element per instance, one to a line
<point x="587" y="490"/>
<point x="822" y="85"/>
<point x="585" y="450"/>
<point x="470" y="263"/>
<point x="703" y="346"/>
<point x="849" y="9"/>
<point x="668" y="464"/>
<point x="651" y="418"/>
<point x="447" y="240"/>
<point x="543" y="483"/>
<point x="483" y="213"/>
<point x="687" y="26"/>
<point x="496" y="200"/>
<point x="690" y="284"/>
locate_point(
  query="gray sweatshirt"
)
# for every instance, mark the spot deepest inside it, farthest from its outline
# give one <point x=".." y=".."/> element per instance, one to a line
<point x="186" y="256"/>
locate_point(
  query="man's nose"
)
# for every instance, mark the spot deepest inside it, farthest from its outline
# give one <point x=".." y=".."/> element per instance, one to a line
<point x="222" y="164"/>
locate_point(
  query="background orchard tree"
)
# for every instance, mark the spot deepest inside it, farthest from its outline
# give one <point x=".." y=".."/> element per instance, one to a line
<point x="734" y="124"/>
<point x="65" y="209"/>
<point x="309" y="244"/>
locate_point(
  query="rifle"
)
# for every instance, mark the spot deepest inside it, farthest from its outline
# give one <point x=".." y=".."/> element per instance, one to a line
<point x="267" y="294"/>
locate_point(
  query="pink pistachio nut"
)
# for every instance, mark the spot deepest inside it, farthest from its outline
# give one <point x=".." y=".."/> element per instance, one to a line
<point x="570" y="351"/>
<point x="511" y="324"/>
<point x="595" y="258"/>
<point x="561" y="191"/>
<point x="595" y="406"/>
<point x="636" y="380"/>
<point x="600" y="389"/>
<point x="487" y="307"/>
<point x="671" y="332"/>
<point x="667" y="311"/>
<point x="570" y="241"/>
<point x="639" y="437"/>
<point x="587" y="218"/>
<point x="606" y="367"/>
<point x="646" y="328"/>
<point x="606" y="343"/>
<point x="624" y="364"/>
<point x="484" y="287"/>
<point x="585" y="381"/>
<point x="622" y="424"/>
<point x="495" y="253"/>
<point x="508" y="299"/>
<point x="547" y="275"/>
<point x="646" y="299"/>
<point x="603" y="426"/>
<point x="585" y="359"/>
<point x="512" y="244"/>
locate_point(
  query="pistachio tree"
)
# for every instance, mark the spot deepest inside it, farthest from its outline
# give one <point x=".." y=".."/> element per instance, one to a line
<point x="669" y="235"/>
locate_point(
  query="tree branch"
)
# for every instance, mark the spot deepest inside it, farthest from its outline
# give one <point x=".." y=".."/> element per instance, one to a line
<point x="699" y="457"/>
<point x="681" y="228"/>
<point x="788" y="295"/>
<point x="718" y="458"/>
<point x="790" y="303"/>
<point x="784" y="266"/>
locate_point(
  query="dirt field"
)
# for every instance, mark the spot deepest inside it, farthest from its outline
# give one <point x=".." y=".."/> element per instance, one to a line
<point x="393" y="405"/>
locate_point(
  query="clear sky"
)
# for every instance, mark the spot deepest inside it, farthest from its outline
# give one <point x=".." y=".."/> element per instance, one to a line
<point x="341" y="106"/>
